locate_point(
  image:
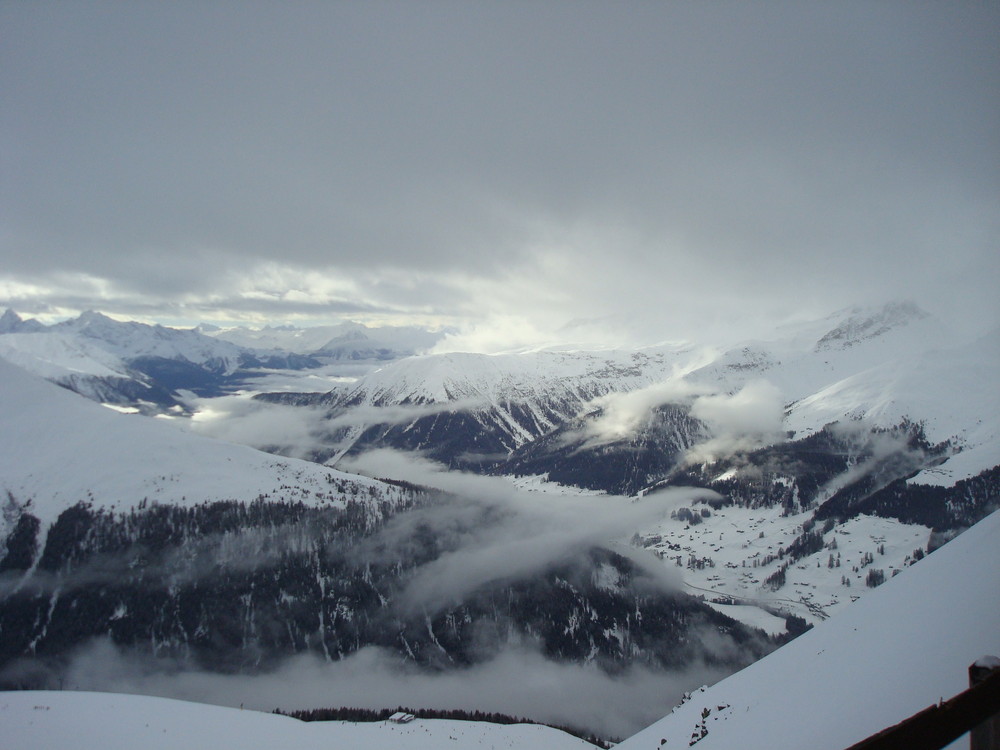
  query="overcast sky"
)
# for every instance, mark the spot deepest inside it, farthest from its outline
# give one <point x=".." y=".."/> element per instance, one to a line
<point x="664" y="169"/>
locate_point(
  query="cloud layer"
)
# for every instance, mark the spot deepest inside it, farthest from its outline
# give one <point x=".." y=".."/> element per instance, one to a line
<point x="669" y="169"/>
<point x="494" y="533"/>
<point x="746" y="419"/>
<point x="518" y="681"/>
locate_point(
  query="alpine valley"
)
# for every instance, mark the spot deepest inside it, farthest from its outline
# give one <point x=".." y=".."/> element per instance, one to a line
<point x="679" y="510"/>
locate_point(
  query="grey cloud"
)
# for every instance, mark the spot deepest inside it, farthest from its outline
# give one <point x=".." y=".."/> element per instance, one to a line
<point x="743" y="420"/>
<point x="888" y="455"/>
<point x="296" y="431"/>
<point x="497" y="533"/>
<point x="679" y="161"/>
<point x="578" y="695"/>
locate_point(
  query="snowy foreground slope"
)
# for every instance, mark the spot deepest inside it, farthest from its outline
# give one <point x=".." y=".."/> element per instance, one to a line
<point x="32" y="720"/>
<point x="888" y="656"/>
<point x="63" y="449"/>
<point x="883" y="659"/>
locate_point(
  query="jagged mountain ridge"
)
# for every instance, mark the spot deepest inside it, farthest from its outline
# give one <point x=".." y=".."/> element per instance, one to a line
<point x="471" y="409"/>
<point x="133" y="364"/>
<point x="11" y="322"/>
<point x="345" y="341"/>
<point x="891" y="366"/>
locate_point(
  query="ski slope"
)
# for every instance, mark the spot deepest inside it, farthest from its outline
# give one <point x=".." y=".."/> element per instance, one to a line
<point x="61" y="449"/>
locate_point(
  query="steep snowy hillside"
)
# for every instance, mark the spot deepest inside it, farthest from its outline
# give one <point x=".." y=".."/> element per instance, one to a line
<point x="513" y="377"/>
<point x="61" y="449"/>
<point x="55" y="356"/>
<point x="105" y="721"/>
<point x="86" y="368"/>
<point x="883" y="659"/>
<point x="888" y="374"/>
<point x="467" y="409"/>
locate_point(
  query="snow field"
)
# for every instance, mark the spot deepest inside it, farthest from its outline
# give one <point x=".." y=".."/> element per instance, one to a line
<point x="40" y="720"/>
<point x="718" y="557"/>
<point x="70" y="450"/>
<point x="897" y="651"/>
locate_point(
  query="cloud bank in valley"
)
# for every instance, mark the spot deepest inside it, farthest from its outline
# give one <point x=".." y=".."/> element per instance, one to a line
<point x="495" y="533"/>
<point x="518" y="681"/>
<point x="302" y="431"/>
<point x="748" y="419"/>
<point x="492" y="533"/>
<point x="744" y="420"/>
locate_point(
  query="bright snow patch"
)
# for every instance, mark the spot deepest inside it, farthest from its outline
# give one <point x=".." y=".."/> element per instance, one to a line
<point x="106" y="721"/>
<point x="894" y="653"/>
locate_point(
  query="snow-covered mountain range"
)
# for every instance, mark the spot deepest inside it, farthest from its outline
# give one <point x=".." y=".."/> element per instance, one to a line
<point x="176" y="546"/>
<point x="133" y="365"/>
<point x="859" y="438"/>
<point x="345" y="341"/>
<point x="825" y="461"/>
<point x="875" y="369"/>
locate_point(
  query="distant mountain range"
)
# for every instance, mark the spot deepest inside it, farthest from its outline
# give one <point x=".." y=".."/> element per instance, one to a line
<point x="345" y="341"/>
<point x="148" y="367"/>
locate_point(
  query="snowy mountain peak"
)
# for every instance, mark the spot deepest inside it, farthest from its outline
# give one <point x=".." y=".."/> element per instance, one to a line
<point x="93" y="317"/>
<point x="11" y="322"/>
<point x="862" y="325"/>
<point x="132" y="339"/>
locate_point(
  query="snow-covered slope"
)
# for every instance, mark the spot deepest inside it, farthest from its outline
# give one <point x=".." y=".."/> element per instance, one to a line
<point x="874" y="369"/>
<point x="513" y="377"/>
<point x="476" y="404"/>
<point x="62" y="449"/>
<point x="57" y="356"/>
<point x="33" y="720"/>
<point x="722" y="554"/>
<point x="894" y="653"/>
<point x="881" y="366"/>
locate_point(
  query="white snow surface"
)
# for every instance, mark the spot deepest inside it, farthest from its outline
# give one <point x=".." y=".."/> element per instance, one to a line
<point x="58" y="356"/>
<point x="718" y="558"/>
<point x="894" y="653"/>
<point x="41" y="720"/>
<point x="68" y="449"/>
